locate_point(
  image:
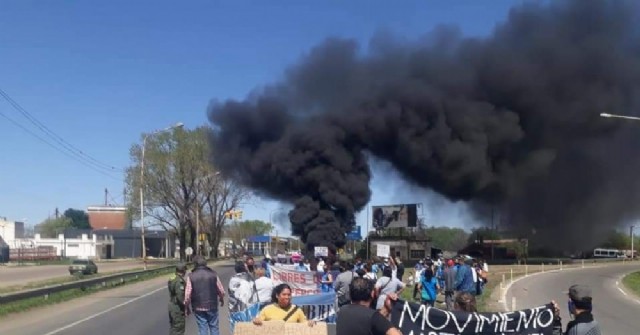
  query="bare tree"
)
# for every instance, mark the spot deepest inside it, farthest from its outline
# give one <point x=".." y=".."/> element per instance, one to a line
<point x="180" y="185"/>
<point x="216" y="197"/>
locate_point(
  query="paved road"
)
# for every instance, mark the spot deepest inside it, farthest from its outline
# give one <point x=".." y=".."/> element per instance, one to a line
<point x="22" y="275"/>
<point x="617" y="312"/>
<point x="133" y="309"/>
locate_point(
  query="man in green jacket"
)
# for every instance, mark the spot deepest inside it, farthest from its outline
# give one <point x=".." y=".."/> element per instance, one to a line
<point x="176" y="286"/>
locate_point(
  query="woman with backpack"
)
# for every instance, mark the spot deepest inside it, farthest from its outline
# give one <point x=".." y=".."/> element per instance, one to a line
<point x="429" y="287"/>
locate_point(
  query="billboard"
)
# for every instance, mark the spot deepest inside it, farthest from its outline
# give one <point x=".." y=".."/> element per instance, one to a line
<point x="395" y="216"/>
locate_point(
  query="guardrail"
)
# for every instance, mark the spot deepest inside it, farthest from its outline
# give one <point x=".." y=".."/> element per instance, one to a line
<point x="81" y="284"/>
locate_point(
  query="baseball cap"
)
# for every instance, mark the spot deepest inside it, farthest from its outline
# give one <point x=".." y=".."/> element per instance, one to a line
<point x="579" y="293"/>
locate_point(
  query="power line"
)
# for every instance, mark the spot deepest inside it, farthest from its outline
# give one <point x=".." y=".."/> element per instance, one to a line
<point x="43" y="140"/>
<point x="57" y="138"/>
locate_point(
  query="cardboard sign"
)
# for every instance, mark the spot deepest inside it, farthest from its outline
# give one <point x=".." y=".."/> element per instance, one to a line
<point x="412" y="318"/>
<point x="383" y="250"/>
<point x="321" y="251"/>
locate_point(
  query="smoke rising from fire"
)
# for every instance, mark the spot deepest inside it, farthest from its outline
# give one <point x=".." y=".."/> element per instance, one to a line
<point x="510" y="121"/>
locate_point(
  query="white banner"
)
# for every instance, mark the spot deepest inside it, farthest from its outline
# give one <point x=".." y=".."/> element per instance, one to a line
<point x="383" y="250"/>
<point x="321" y="251"/>
<point x="302" y="283"/>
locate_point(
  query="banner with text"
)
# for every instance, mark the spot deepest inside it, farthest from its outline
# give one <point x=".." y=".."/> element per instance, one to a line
<point x="318" y="307"/>
<point x="414" y="319"/>
<point x="301" y="282"/>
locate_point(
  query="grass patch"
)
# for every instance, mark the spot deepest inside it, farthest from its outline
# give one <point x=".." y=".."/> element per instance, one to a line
<point x="632" y="282"/>
<point x="55" y="298"/>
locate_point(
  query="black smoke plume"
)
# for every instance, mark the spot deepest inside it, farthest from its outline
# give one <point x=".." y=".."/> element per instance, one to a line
<point x="510" y="121"/>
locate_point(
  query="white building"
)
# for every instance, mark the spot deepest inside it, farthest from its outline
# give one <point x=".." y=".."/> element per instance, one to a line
<point x="94" y="247"/>
<point x="11" y="230"/>
<point x="85" y="247"/>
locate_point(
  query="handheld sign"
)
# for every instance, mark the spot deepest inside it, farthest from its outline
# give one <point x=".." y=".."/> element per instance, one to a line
<point x="383" y="250"/>
<point x="321" y="251"/>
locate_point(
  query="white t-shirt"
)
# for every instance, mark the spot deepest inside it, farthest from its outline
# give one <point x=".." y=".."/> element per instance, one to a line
<point x="320" y="267"/>
<point x="264" y="286"/>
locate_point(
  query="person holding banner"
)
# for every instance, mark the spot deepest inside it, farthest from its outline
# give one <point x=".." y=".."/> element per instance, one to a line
<point x="282" y="308"/>
<point x="327" y="280"/>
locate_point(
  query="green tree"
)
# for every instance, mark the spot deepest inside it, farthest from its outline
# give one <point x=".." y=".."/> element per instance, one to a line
<point x="237" y="231"/>
<point x="79" y="218"/>
<point x="181" y="187"/>
<point x="446" y="238"/>
<point x="50" y="228"/>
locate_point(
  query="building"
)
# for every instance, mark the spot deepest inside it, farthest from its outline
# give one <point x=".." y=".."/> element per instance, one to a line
<point x="86" y="246"/>
<point x="11" y="230"/>
<point x="409" y="245"/>
<point x="127" y="243"/>
<point x="108" y="217"/>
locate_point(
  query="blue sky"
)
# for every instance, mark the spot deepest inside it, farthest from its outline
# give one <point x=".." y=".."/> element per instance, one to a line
<point x="100" y="73"/>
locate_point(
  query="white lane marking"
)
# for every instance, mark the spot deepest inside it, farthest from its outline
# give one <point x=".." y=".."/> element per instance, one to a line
<point x="622" y="291"/>
<point x="105" y="311"/>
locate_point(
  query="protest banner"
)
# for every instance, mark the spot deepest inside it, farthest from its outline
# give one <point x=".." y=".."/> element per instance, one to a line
<point x="318" y="307"/>
<point x="301" y="282"/>
<point x="414" y="319"/>
<point x="383" y="250"/>
<point x="321" y="251"/>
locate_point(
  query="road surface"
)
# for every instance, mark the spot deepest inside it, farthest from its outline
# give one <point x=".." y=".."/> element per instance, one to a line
<point x="23" y="275"/>
<point x="139" y="308"/>
<point x="617" y="311"/>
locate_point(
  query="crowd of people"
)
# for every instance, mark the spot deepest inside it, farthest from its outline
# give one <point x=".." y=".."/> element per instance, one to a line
<point x="365" y="292"/>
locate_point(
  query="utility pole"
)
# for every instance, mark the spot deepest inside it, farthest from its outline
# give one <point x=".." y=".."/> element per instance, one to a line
<point x="106" y="194"/>
<point x="631" y="233"/>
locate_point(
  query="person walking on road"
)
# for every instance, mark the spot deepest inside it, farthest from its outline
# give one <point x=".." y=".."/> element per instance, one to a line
<point x="580" y="306"/>
<point x="203" y="291"/>
<point x="177" y="310"/>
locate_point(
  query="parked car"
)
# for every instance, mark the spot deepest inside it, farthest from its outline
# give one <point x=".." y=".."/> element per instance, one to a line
<point x="84" y="266"/>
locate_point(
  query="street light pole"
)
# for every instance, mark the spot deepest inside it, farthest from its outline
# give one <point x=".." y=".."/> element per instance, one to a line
<point x="144" y="144"/>
<point x="632" y="253"/>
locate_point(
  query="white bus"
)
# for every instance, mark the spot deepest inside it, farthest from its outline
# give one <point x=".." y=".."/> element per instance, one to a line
<point x="608" y="253"/>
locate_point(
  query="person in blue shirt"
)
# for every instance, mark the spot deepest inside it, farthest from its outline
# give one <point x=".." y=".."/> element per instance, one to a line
<point x="428" y="288"/>
<point x="464" y="277"/>
<point x="301" y="267"/>
<point x="326" y="283"/>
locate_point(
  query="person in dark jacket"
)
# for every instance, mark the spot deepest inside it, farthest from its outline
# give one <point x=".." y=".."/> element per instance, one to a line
<point x="203" y="291"/>
<point x="580" y="307"/>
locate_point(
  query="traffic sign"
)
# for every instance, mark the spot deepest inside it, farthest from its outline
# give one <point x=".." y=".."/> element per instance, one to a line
<point x="188" y="251"/>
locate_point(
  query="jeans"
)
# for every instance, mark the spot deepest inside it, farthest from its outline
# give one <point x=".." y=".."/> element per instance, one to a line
<point x="207" y="322"/>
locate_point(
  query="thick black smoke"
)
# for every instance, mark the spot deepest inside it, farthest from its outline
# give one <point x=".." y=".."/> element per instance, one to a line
<point x="510" y="121"/>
